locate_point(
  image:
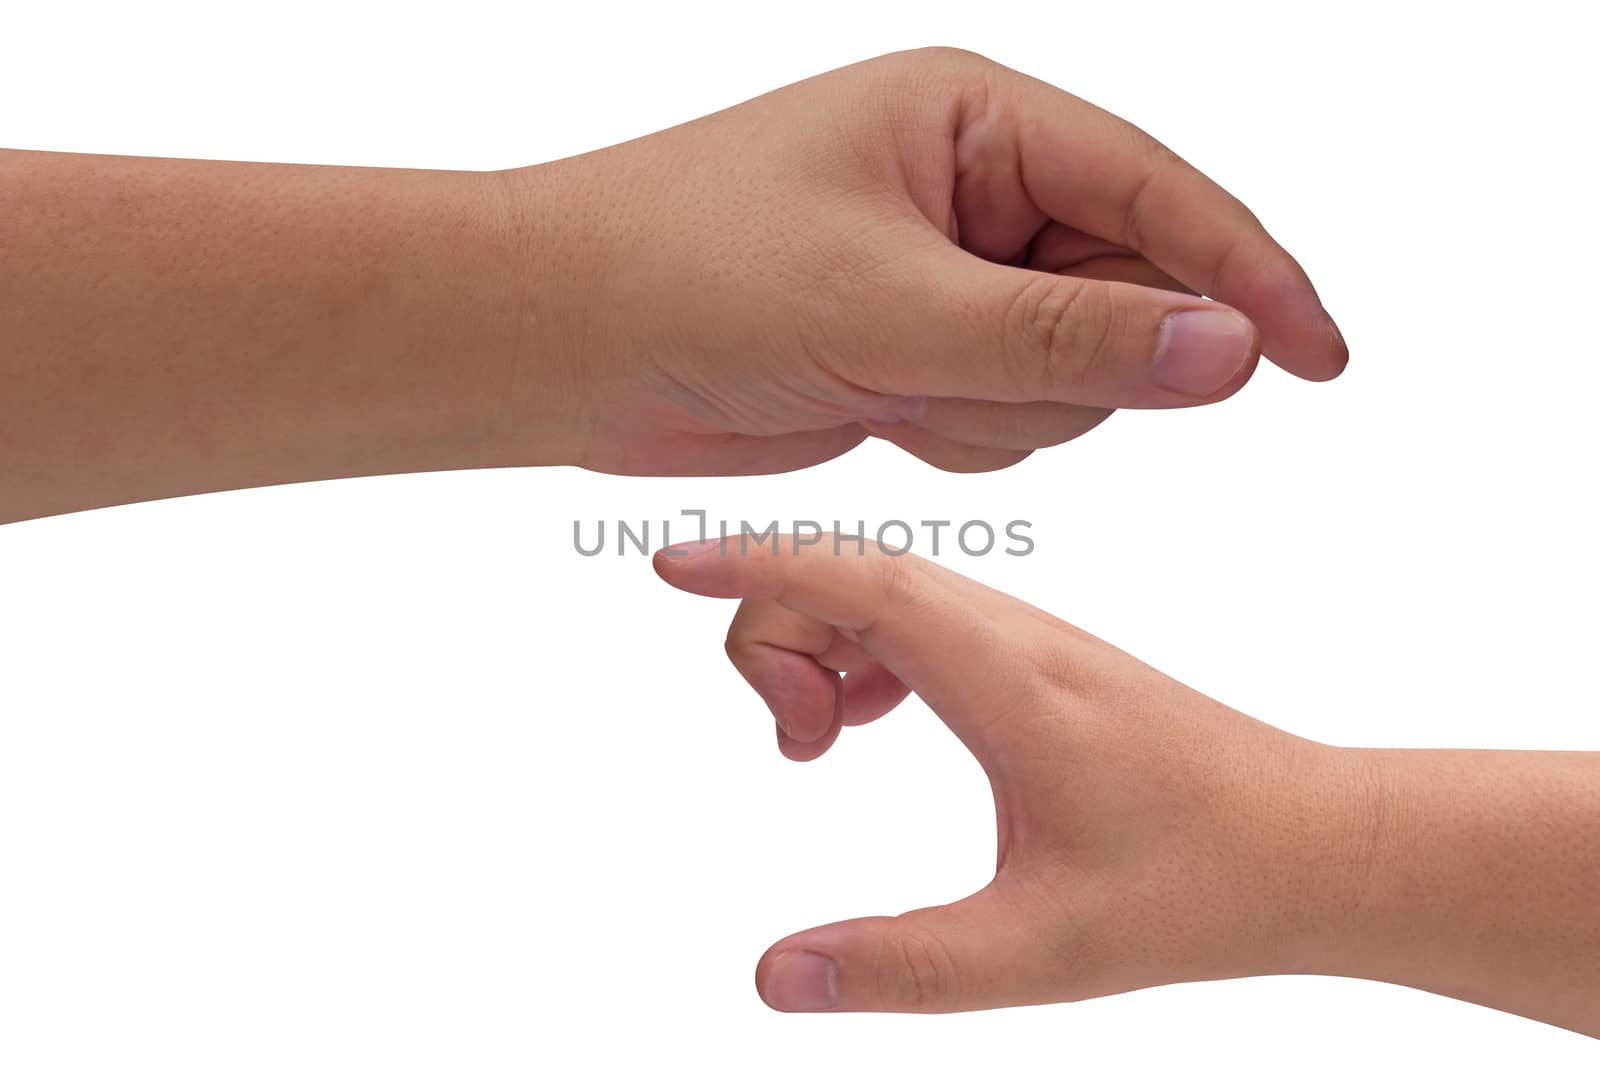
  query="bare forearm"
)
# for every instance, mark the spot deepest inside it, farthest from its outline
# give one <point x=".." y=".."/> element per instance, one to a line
<point x="179" y="326"/>
<point x="1484" y="880"/>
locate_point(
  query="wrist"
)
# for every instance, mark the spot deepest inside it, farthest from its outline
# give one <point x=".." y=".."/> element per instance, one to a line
<point x="1307" y="830"/>
<point x="1349" y="801"/>
<point x="1274" y="843"/>
<point x="428" y="354"/>
<point x="505" y="277"/>
<point x="546" y="250"/>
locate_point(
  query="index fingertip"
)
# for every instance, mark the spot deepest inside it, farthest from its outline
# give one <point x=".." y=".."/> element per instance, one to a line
<point x="1314" y="350"/>
<point x="670" y="556"/>
<point x="706" y="568"/>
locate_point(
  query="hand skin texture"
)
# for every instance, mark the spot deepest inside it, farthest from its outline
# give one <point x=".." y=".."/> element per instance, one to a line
<point x="927" y="247"/>
<point x="1148" y="834"/>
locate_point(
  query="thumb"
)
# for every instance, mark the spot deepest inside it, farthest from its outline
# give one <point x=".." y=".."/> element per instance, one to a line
<point x="980" y="952"/>
<point x="1011" y="334"/>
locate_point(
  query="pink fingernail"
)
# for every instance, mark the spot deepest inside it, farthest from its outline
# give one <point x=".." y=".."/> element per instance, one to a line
<point x="802" y="981"/>
<point x="1201" y="351"/>
<point x="689" y="549"/>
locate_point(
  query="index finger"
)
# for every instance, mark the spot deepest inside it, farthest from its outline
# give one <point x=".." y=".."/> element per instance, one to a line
<point x="1089" y="169"/>
<point x="940" y="634"/>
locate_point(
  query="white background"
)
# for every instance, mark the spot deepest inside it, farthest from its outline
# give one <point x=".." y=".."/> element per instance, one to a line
<point x="383" y="772"/>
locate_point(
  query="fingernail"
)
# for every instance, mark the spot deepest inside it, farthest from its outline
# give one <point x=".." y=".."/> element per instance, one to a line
<point x="802" y="981"/>
<point x="689" y="548"/>
<point x="1201" y="351"/>
<point x="910" y="408"/>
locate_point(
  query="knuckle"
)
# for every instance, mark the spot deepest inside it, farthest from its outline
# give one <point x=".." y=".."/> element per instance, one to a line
<point x="1061" y="333"/>
<point x="948" y="56"/>
<point x="1159" y="162"/>
<point x="917" y="971"/>
<point x="741" y="642"/>
<point x="942" y="74"/>
<point x="737" y="651"/>
<point x="895" y="581"/>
